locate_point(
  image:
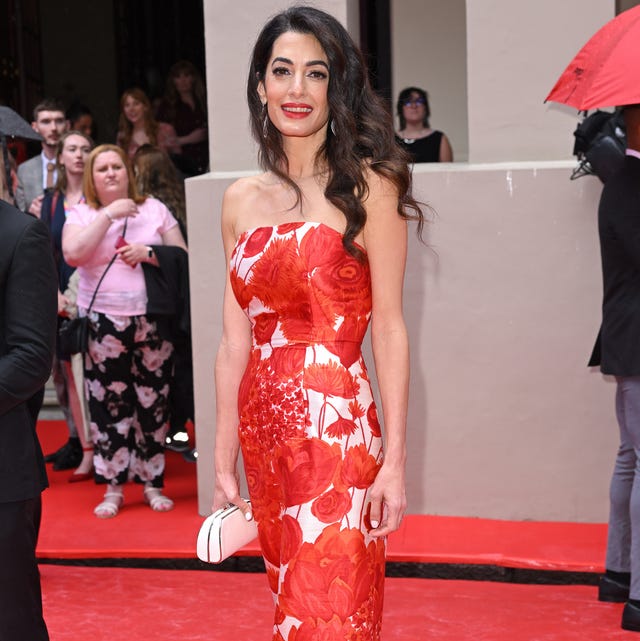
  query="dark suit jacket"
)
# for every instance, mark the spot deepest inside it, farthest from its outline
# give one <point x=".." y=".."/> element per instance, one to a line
<point x="28" y="311"/>
<point x="617" y="349"/>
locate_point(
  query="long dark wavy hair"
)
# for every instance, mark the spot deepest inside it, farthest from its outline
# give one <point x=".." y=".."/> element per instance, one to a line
<point x="405" y="95"/>
<point x="361" y="134"/>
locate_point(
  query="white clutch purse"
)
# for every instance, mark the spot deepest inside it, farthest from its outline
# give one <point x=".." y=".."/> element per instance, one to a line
<point x="224" y="533"/>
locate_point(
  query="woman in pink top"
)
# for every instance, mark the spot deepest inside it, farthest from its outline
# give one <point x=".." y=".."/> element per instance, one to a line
<point x="138" y="127"/>
<point x="129" y="359"/>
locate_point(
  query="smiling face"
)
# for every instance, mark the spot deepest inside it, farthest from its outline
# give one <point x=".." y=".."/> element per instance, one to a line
<point x="74" y="154"/>
<point x="110" y="177"/>
<point x="295" y="86"/>
<point x="134" y="110"/>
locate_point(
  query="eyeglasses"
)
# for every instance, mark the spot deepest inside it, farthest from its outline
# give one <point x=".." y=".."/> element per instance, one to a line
<point x="413" y="101"/>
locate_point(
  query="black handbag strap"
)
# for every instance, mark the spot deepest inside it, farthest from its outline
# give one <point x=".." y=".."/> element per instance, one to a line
<point x="104" y="273"/>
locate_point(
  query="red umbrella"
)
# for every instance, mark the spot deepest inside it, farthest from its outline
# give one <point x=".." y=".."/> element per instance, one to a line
<point x="606" y="71"/>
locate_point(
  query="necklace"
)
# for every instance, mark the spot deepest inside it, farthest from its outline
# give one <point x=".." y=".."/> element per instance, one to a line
<point x="68" y="206"/>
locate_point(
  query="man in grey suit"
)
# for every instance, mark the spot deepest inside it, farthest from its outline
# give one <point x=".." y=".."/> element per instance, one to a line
<point x="28" y="310"/>
<point x="37" y="174"/>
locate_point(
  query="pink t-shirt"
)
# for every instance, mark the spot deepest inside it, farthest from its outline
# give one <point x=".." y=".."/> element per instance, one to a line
<point x="123" y="291"/>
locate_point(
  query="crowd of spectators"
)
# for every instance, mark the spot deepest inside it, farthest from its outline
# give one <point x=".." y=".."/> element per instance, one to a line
<point x="123" y="200"/>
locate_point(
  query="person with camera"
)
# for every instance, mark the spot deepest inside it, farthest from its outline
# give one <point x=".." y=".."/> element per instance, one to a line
<point x="617" y="352"/>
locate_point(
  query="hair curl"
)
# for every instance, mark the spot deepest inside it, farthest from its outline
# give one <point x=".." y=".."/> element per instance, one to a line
<point x="364" y="136"/>
<point x="156" y="176"/>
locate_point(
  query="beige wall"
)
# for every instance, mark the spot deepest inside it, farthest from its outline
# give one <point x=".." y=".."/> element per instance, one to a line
<point x="515" y="53"/>
<point x="502" y="305"/>
<point x="506" y="420"/>
<point x="488" y="67"/>
<point x="429" y="50"/>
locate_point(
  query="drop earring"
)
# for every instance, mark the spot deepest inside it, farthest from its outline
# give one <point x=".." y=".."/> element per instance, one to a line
<point x="333" y="126"/>
<point x="265" y="122"/>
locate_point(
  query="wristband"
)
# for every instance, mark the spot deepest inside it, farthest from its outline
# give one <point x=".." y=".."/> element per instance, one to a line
<point x="108" y="214"/>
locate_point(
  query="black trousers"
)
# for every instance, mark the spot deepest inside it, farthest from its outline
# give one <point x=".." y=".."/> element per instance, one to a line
<point x="20" y="596"/>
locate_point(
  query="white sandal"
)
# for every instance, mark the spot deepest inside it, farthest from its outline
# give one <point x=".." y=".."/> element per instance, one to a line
<point x="110" y="506"/>
<point x="157" y="501"/>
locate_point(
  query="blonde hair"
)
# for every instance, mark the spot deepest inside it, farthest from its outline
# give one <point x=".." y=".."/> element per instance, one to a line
<point x="89" y="186"/>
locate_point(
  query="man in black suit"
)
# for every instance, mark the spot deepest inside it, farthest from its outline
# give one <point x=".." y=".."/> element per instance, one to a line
<point x="618" y="354"/>
<point x="28" y="308"/>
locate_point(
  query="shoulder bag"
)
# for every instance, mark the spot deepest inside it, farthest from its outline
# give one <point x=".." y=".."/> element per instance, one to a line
<point x="73" y="334"/>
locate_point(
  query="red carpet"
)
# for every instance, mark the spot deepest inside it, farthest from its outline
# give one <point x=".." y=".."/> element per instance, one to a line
<point x="110" y="603"/>
<point x="70" y="530"/>
<point x="114" y="604"/>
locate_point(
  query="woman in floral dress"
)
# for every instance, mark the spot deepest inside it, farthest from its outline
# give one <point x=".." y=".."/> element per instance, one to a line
<point x="316" y="249"/>
<point x="128" y="365"/>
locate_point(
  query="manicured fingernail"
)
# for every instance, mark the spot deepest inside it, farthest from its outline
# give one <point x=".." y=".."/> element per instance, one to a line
<point x="374" y="524"/>
<point x="248" y="516"/>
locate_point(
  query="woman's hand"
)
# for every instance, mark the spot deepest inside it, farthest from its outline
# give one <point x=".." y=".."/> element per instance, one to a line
<point x="134" y="253"/>
<point x="121" y="208"/>
<point x="227" y="490"/>
<point x="63" y="303"/>
<point x="387" y="500"/>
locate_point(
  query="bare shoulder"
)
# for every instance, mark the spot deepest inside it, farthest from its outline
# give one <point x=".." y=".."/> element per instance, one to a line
<point x="384" y="227"/>
<point x="240" y="199"/>
<point x="379" y="186"/>
<point x="244" y="191"/>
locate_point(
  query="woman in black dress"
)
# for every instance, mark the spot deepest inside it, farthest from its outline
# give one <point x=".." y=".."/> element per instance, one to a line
<point x="415" y="135"/>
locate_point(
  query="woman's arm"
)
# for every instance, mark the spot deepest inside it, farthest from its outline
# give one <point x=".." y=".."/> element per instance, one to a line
<point x="385" y="239"/>
<point x="231" y="362"/>
<point x="79" y="243"/>
<point x="199" y="134"/>
<point x="167" y="138"/>
<point x="446" y="153"/>
<point x="135" y="253"/>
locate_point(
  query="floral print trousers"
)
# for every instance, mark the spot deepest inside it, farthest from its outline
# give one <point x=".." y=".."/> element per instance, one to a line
<point x="128" y="367"/>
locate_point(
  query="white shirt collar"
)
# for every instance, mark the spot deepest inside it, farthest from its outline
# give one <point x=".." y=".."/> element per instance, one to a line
<point x="633" y="152"/>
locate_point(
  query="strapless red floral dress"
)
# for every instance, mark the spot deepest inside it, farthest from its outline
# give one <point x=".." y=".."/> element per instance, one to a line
<point x="309" y="431"/>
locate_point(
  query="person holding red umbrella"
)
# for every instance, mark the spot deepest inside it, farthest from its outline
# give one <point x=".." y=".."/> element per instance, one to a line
<point x="617" y="352"/>
<point x="606" y="72"/>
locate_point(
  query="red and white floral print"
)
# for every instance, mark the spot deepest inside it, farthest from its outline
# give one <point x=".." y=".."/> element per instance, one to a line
<point x="309" y="431"/>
